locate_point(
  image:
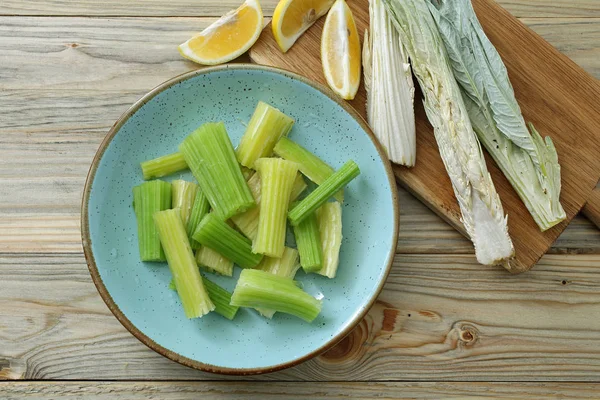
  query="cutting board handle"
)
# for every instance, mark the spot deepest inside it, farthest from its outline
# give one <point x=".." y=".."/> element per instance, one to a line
<point x="592" y="207"/>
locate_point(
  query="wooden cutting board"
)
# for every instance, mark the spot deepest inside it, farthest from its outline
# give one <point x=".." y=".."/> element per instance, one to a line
<point x="558" y="96"/>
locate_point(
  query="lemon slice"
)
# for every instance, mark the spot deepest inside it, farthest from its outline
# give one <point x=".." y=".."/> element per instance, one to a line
<point x="227" y="38"/>
<point x="292" y="18"/>
<point x="340" y="51"/>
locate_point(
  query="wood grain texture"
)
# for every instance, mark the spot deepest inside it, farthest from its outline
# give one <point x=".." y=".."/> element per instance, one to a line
<point x="155" y="8"/>
<point x="292" y="390"/>
<point x="592" y="208"/>
<point x="547" y="85"/>
<point x="439" y="317"/>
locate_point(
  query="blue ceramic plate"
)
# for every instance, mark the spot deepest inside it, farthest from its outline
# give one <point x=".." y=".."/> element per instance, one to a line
<point x="137" y="292"/>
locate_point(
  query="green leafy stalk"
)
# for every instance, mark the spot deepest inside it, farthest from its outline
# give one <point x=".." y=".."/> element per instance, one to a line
<point x="260" y="289"/>
<point x="213" y="261"/>
<point x="481" y="209"/>
<point x="199" y="210"/>
<point x="219" y="296"/>
<point x="310" y="165"/>
<point x="329" y="218"/>
<point x="265" y="128"/>
<point x="323" y="192"/>
<point x="184" y="196"/>
<point x="286" y="267"/>
<point x="308" y="241"/>
<point x="277" y="178"/>
<point x="247" y="222"/>
<point x="148" y="198"/>
<point x="212" y="232"/>
<point x="182" y="264"/>
<point x="209" y="153"/>
<point x="163" y="166"/>
<point x="529" y="163"/>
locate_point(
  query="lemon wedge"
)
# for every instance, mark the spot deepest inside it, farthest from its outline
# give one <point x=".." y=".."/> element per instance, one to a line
<point x="340" y="51"/>
<point x="227" y="38"/>
<point x="292" y="18"/>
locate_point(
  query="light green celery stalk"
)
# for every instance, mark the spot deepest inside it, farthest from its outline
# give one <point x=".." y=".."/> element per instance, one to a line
<point x="286" y="266"/>
<point x="529" y="163"/>
<point x="277" y="179"/>
<point x="213" y="261"/>
<point x="219" y="296"/>
<point x="308" y="241"/>
<point x="184" y="195"/>
<point x="481" y="209"/>
<point x="247" y="222"/>
<point x="260" y="289"/>
<point x="182" y="264"/>
<point x="265" y="128"/>
<point x="329" y="218"/>
<point x="209" y="153"/>
<point x="390" y="88"/>
<point x="323" y="192"/>
<point x="148" y="198"/>
<point x="310" y="165"/>
<point x="163" y="166"/>
<point x="199" y="210"/>
<point x="214" y="233"/>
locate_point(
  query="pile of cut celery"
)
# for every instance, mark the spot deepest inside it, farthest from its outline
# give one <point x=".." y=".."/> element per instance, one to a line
<point x="237" y="213"/>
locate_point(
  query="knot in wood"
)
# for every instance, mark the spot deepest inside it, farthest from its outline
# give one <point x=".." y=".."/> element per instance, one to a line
<point x="468" y="335"/>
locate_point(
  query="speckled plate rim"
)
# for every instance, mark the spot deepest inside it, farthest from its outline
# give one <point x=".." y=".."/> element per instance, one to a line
<point x="114" y="308"/>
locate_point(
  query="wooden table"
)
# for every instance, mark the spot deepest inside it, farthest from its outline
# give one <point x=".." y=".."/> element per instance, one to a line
<point x="443" y="326"/>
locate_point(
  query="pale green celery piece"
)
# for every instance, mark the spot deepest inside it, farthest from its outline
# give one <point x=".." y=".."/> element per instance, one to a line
<point x="481" y="209"/>
<point x="199" y="210"/>
<point x="310" y="165"/>
<point x="260" y="289"/>
<point x="214" y="233"/>
<point x="308" y="241"/>
<point x="219" y="296"/>
<point x="277" y="179"/>
<point x="329" y="218"/>
<point x="390" y="88"/>
<point x="528" y="162"/>
<point x="209" y="153"/>
<point x="184" y="196"/>
<point x="213" y="261"/>
<point x="323" y="192"/>
<point x="247" y="172"/>
<point x="163" y="166"/>
<point x="182" y="264"/>
<point x="286" y="266"/>
<point x="247" y="222"/>
<point x="265" y="128"/>
<point x="148" y="198"/>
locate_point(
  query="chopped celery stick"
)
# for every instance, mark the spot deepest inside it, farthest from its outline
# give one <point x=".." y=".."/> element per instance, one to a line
<point x="247" y="172"/>
<point x="219" y="296"/>
<point x="163" y="166"/>
<point x="329" y="218"/>
<point x="277" y="178"/>
<point x="265" y="128"/>
<point x="182" y="264"/>
<point x="308" y="241"/>
<point x="148" y="198"/>
<point x="216" y="234"/>
<point x="199" y="210"/>
<point x="322" y="193"/>
<point x="286" y="266"/>
<point x="210" y="155"/>
<point x="184" y="195"/>
<point x="213" y="261"/>
<point x="247" y="222"/>
<point x="310" y="165"/>
<point x="260" y="289"/>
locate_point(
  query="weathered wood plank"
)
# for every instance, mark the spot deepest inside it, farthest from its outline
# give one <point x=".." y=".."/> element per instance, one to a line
<point x="440" y="317"/>
<point x="64" y="81"/>
<point x="520" y="8"/>
<point x="292" y="390"/>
